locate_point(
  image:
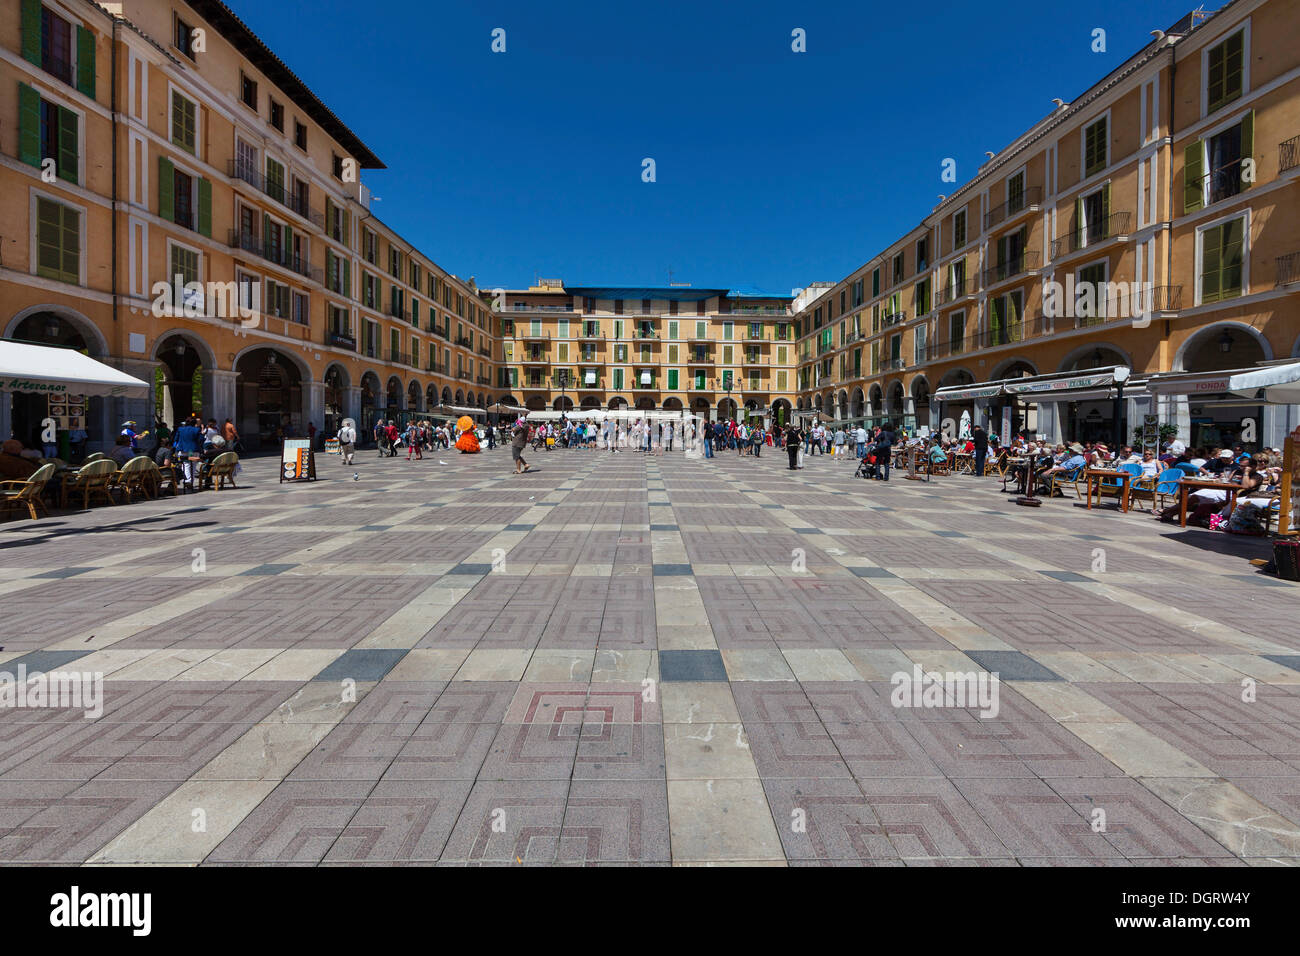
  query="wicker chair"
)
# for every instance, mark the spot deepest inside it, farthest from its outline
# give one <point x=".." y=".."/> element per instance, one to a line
<point x="222" y="469"/>
<point x="94" y="478"/>
<point x="138" y="474"/>
<point x="27" y="494"/>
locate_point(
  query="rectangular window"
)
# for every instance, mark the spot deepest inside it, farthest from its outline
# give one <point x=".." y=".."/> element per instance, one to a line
<point x="1087" y="308"/>
<point x="923" y="297"/>
<point x="898" y="269"/>
<point x="184" y="123"/>
<point x="672" y="379"/>
<point x="299" y="135"/>
<point x="248" y="91"/>
<point x="1095" y="147"/>
<point x="58" y="241"/>
<point x="183" y="39"/>
<point x="1224" y="77"/>
<point x="277" y="116"/>
<point x="56" y="45"/>
<point x="1222" y="253"/>
<point x="300" y="308"/>
<point x="618" y="379"/>
<point x="337" y="166"/>
<point x="183" y="193"/>
<point x="58" y="136"/>
<point x="274" y="179"/>
<point x="1016" y="193"/>
<point x="875" y="283"/>
<point x="957" y="332"/>
<point x="184" y="265"/>
<point x="922" y="255"/>
<point x="959" y="229"/>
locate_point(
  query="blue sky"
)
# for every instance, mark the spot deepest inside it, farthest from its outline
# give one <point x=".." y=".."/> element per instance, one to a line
<point x="773" y="168"/>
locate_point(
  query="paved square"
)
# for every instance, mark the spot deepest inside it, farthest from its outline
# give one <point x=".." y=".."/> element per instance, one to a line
<point x="630" y="659"/>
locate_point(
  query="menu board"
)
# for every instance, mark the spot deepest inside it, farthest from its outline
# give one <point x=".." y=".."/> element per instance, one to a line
<point x="297" y="461"/>
<point x="68" y="411"/>
<point x="1150" y="431"/>
<point x="1288" y="519"/>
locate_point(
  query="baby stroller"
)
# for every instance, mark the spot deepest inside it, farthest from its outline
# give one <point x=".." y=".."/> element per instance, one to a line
<point x="866" y="465"/>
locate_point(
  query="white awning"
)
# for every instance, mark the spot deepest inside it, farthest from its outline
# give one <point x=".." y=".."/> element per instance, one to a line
<point x="960" y="393"/>
<point x="62" y="372"/>
<point x="1084" y="385"/>
<point x="1274" y="384"/>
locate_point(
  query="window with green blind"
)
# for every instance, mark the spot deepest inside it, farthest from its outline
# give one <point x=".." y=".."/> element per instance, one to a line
<point x="959" y="229"/>
<point x="1095" y="143"/>
<point x="1222" y="253"/>
<point x="699" y="381"/>
<point x="672" y="329"/>
<point x="47" y="131"/>
<point x="728" y="330"/>
<point x="274" y="180"/>
<point x="701" y="330"/>
<point x="184" y="123"/>
<point x="875" y="283"/>
<point x="1224" y="75"/>
<point x="58" y="241"/>
<point x="618" y="379"/>
<point x="672" y="379"/>
<point x="1087" y="308"/>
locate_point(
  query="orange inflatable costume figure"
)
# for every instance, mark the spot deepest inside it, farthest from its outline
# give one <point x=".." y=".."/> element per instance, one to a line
<point x="468" y="441"/>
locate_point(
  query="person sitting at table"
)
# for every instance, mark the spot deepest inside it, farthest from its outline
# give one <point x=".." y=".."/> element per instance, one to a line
<point x="1219" y="463"/>
<point x="1064" y="465"/>
<point x="14" y="465"/>
<point x="163" y="455"/>
<point x="1207" y="501"/>
<point x="122" y="451"/>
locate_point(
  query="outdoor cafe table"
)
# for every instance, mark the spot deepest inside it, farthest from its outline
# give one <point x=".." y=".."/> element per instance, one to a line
<point x="1123" y="477"/>
<point x="1189" y="486"/>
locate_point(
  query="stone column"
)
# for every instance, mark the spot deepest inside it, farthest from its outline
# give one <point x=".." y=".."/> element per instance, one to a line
<point x="352" y="404"/>
<point x="219" y="393"/>
<point x="313" y="406"/>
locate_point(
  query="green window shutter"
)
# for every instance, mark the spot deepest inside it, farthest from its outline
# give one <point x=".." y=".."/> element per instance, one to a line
<point x="31" y="20"/>
<point x="1211" y="264"/>
<point x="29" y="120"/>
<point x="86" y="61"/>
<point x="288" y="246"/>
<point x="166" y="189"/>
<point x="67" y="158"/>
<point x="672" y="379"/>
<point x="1193" y="171"/>
<point x="329" y="272"/>
<point x="266" y="233"/>
<point x="1247" y="142"/>
<point x="205" y="208"/>
<point x="1105" y="209"/>
<point x="347" y="278"/>
<point x="1233" y="248"/>
<point x="1078" y="222"/>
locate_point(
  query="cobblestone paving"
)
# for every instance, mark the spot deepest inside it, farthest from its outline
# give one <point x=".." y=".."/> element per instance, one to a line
<point x="626" y="659"/>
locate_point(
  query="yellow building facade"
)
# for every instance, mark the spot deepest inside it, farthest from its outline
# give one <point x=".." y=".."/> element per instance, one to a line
<point x="717" y="353"/>
<point x="1149" y="224"/>
<point x="160" y="140"/>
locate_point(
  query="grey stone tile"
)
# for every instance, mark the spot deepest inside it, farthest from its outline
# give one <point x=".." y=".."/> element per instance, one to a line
<point x="268" y="569"/>
<point x="60" y="573"/>
<point x="668" y="570"/>
<point x="701" y="665"/>
<point x="1012" y="665"/>
<point x="362" y="664"/>
<point x="42" y="661"/>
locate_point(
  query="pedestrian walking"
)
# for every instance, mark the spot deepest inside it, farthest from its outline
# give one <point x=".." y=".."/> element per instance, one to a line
<point x="347" y="441"/>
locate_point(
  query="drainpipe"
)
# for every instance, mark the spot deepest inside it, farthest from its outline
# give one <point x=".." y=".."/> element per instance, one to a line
<point x="113" y="106"/>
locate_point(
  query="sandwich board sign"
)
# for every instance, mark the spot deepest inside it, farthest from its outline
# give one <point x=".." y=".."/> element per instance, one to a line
<point x="297" y="460"/>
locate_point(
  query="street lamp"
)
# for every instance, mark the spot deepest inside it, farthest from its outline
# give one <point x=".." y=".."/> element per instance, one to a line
<point x="1121" y="376"/>
<point x="563" y="376"/>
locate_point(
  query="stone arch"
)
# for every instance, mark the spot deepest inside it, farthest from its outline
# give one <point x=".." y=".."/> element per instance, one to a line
<point x="1197" y="353"/>
<point x="414" y="395"/>
<point x="1084" y="357"/>
<point x="1013" y="367"/>
<point x="94" y="339"/>
<point x="857" y="403"/>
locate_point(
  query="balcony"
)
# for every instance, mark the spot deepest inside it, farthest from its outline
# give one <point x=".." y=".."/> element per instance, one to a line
<point x="465" y="376"/>
<point x="1114" y="226"/>
<point x="534" y="358"/>
<point x="485" y="352"/>
<point x="894" y="318"/>
<point x="483" y="380"/>
<point x="758" y="310"/>
<point x="946" y="293"/>
<point x="370" y="350"/>
<point x="645" y="334"/>
<point x="750" y="336"/>
<point x="436" y="367"/>
<point x="1158" y="299"/>
<point x="1288" y="269"/>
<point x="435" y="329"/>
<point x="700" y="358"/>
<point x="592" y="334"/>
<point x="893" y="365"/>
<point x="281" y="256"/>
<point x="397" y="311"/>
<point x="534" y="385"/>
<point x="1026" y="261"/>
<point x="1028" y="201"/>
<point x="343" y="340"/>
<point x="520" y="307"/>
<point x="754" y="359"/>
<point x="529" y="336"/>
<point x="277" y="191"/>
<point x="465" y="341"/>
<point x="1288" y="154"/>
<point x="1220" y="183"/>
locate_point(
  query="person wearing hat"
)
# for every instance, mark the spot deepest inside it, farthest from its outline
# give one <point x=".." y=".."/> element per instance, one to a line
<point x="1068" y="463"/>
<point x="132" y="436"/>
